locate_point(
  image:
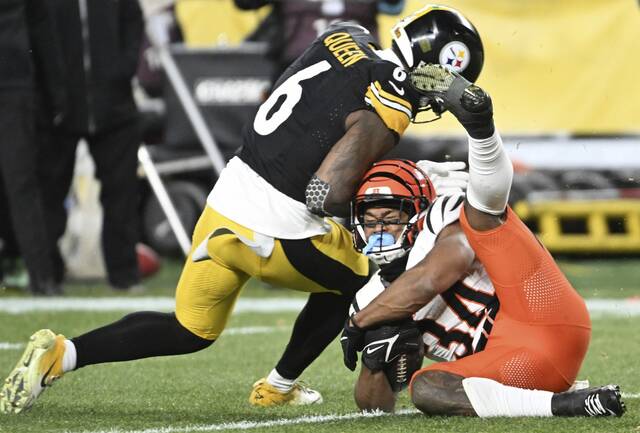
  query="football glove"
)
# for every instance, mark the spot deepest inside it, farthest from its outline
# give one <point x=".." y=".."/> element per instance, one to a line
<point x="384" y="344"/>
<point x="352" y="342"/>
<point x="448" y="90"/>
<point x="448" y="178"/>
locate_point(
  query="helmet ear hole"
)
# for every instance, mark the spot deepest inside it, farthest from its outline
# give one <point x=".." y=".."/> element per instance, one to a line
<point x="424" y="203"/>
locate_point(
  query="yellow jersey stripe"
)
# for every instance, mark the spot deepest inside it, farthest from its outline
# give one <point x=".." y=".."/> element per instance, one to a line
<point x="395" y="119"/>
<point x="389" y="103"/>
<point x="383" y="93"/>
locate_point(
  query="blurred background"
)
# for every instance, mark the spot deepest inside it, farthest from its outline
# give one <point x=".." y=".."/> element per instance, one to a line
<point x="562" y="74"/>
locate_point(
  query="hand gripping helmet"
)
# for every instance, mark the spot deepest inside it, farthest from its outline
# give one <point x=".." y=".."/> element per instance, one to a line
<point x="393" y="183"/>
<point x="439" y="35"/>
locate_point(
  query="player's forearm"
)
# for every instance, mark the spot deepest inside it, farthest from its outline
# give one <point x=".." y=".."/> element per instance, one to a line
<point x="410" y="292"/>
<point x="448" y="262"/>
<point x="490" y="174"/>
<point x="341" y="172"/>
<point x="365" y="141"/>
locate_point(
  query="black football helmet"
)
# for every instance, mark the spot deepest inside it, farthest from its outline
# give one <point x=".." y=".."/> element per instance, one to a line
<point x="439" y="35"/>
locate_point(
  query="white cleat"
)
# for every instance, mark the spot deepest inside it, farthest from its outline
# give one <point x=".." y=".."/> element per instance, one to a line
<point x="303" y="395"/>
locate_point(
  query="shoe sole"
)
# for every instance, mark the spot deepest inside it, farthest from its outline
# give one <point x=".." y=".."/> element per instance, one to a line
<point x="281" y="401"/>
<point x="266" y="401"/>
<point x="433" y="79"/>
<point x="618" y="394"/>
<point x="294" y="402"/>
<point x="17" y="392"/>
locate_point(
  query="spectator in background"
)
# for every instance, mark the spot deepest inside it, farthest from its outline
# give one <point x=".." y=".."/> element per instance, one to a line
<point x="27" y="52"/>
<point x="294" y="24"/>
<point x="101" y="44"/>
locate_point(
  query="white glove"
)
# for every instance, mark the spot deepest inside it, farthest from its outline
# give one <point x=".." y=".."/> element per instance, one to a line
<point x="447" y="177"/>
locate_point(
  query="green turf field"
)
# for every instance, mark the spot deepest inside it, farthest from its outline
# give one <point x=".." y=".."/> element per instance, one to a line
<point x="208" y="391"/>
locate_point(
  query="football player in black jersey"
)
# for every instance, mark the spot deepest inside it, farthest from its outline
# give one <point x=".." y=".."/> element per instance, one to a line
<point x="338" y="108"/>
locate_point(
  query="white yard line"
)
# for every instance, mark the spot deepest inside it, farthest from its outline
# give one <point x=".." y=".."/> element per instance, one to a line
<point x="10" y="346"/>
<point x="597" y="307"/>
<point x="250" y="425"/>
<point x="27" y="305"/>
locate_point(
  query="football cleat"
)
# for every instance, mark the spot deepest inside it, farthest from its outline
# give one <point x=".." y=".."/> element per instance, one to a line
<point x="603" y="401"/>
<point x="264" y="394"/>
<point x="39" y="366"/>
<point x="448" y="90"/>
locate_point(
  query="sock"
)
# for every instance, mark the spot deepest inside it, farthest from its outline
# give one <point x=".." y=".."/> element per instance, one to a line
<point x="69" y="358"/>
<point x="280" y="383"/>
<point x="490" y="399"/>
<point x="319" y="322"/>
<point x="490" y="174"/>
<point x="138" y="335"/>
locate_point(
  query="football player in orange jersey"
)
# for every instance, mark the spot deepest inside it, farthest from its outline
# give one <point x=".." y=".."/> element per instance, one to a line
<point x="541" y="332"/>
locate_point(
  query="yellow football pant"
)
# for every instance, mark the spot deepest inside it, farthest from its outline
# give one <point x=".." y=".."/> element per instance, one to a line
<point x="208" y="289"/>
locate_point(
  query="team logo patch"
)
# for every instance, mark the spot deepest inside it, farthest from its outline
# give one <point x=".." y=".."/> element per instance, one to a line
<point x="378" y="190"/>
<point x="455" y="55"/>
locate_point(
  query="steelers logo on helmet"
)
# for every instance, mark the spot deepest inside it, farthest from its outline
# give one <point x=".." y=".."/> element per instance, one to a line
<point x="455" y="55"/>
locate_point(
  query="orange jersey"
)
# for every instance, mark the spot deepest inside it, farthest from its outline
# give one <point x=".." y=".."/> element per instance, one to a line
<point x="541" y="333"/>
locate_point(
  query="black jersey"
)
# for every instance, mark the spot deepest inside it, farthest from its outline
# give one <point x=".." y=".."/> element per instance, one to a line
<point x="304" y="116"/>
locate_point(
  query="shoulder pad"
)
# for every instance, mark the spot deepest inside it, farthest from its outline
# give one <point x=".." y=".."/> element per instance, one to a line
<point x="390" y="96"/>
<point x="443" y="211"/>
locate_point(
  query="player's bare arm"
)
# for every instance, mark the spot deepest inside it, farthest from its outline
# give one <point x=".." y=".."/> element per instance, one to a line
<point x="366" y="139"/>
<point x="448" y="261"/>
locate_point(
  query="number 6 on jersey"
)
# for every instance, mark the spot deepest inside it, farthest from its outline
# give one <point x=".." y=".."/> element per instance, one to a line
<point x="292" y="91"/>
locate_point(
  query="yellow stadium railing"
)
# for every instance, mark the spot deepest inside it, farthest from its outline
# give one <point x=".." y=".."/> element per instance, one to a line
<point x="601" y="226"/>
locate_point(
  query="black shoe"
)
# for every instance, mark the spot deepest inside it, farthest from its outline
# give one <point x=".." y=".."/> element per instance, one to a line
<point x="603" y="401"/>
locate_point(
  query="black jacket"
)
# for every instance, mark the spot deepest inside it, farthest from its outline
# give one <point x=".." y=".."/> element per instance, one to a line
<point x="27" y="38"/>
<point x="101" y="43"/>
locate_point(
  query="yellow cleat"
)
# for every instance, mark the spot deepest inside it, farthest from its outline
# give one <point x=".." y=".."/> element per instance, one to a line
<point x="264" y="394"/>
<point x="39" y="366"/>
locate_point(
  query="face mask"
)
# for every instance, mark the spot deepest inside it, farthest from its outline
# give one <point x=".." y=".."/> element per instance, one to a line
<point x="379" y="240"/>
